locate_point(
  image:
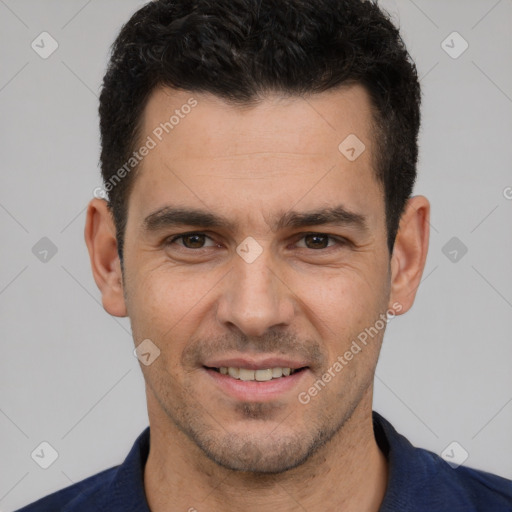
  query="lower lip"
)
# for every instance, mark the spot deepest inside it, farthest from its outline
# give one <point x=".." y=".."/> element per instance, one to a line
<point x="252" y="391"/>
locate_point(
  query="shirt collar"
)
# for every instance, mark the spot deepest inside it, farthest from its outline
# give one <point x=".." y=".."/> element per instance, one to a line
<point x="127" y="485"/>
<point x="408" y="473"/>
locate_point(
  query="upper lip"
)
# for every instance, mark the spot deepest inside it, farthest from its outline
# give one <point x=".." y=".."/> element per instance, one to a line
<point x="255" y="363"/>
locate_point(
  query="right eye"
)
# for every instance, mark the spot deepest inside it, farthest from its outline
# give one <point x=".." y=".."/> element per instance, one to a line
<point x="192" y="240"/>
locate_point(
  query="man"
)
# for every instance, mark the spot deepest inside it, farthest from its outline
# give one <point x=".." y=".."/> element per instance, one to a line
<point x="259" y="158"/>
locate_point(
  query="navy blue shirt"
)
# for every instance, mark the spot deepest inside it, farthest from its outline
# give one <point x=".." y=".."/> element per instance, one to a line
<point x="419" y="481"/>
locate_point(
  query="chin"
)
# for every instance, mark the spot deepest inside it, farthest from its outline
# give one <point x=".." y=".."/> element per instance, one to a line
<point x="252" y="458"/>
<point x="260" y="454"/>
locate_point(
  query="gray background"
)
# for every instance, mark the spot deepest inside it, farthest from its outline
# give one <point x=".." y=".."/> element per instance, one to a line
<point x="68" y="375"/>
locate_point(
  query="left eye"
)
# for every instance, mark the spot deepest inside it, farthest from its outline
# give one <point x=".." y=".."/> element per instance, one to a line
<point x="317" y="241"/>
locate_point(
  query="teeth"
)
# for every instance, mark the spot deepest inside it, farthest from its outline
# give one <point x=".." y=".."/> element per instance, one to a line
<point x="277" y="372"/>
<point x="263" y="375"/>
<point x="246" y="374"/>
<point x="234" y="372"/>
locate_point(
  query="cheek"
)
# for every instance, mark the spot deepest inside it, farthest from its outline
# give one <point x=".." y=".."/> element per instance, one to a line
<point x="342" y="304"/>
<point x="163" y="304"/>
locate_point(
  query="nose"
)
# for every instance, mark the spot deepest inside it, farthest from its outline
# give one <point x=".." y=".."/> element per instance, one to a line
<point x="255" y="298"/>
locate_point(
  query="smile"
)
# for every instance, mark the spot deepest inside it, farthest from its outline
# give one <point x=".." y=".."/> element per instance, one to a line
<point x="262" y="375"/>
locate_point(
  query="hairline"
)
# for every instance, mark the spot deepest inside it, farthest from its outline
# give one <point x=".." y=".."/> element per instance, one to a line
<point x="377" y="132"/>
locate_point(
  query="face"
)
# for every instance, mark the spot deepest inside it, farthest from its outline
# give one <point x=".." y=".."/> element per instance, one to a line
<point x="253" y="243"/>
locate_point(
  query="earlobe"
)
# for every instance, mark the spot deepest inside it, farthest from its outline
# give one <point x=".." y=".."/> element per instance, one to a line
<point x="410" y="252"/>
<point x="100" y="238"/>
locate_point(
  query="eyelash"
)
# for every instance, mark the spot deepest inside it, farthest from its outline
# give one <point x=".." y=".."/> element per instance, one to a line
<point x="339" y="240"/>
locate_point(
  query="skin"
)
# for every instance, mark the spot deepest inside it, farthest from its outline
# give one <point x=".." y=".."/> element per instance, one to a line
<point x="302" y="298"/>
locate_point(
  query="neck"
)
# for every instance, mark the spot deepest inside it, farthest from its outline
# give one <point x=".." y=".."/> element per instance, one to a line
<point x="347" y="474"/>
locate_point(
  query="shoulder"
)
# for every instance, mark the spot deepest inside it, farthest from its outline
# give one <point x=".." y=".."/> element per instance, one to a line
<point x="421" y="480"/>
<point x="86" y="495"/>
<point x="461" y="488"/>
<point x="468" y="489"/>
<point x="119" y="488"/>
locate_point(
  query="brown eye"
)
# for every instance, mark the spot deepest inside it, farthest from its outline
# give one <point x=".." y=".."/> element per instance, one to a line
<point x="192" y="241"/>
<point x="316" y="241"/>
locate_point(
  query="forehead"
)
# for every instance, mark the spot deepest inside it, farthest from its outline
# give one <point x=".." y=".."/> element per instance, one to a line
<point x="275" y="153"/>
<point x="303" y="124"/>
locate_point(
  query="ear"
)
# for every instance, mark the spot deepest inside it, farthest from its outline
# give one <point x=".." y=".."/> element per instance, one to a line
<point x="100" y="237"/>
<point x="409" y="253"/>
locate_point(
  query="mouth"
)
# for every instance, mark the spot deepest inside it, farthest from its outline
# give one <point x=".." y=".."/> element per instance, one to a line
<point x="258" y="375"/>
<point x="267" y="380"/>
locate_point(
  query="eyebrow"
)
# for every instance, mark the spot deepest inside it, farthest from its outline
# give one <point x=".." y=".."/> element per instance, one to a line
<point x="171" y="217"/>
